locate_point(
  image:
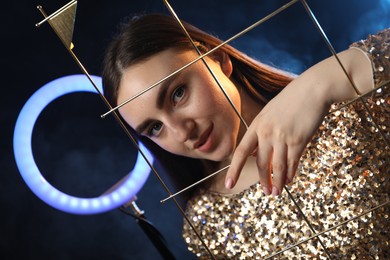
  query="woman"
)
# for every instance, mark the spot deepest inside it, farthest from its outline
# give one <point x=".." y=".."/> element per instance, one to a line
<point x="341" y="157"/>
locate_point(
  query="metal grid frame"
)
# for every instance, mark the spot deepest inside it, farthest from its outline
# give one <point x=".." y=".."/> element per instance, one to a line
<point x="360" y="98"/>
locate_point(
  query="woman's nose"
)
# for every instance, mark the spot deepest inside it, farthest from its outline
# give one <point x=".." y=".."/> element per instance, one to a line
<point x="182" y="130"/>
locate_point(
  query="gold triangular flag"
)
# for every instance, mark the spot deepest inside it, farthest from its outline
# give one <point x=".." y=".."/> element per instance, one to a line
<point x="63" y="23"/>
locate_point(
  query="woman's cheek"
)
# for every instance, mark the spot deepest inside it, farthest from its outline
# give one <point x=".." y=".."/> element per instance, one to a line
<point x="172" y="147"/>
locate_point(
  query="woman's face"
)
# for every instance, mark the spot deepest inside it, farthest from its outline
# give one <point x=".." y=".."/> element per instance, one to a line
<point x="187" y="114"/>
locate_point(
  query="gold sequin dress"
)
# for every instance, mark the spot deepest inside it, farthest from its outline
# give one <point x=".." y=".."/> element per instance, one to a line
<point x="338" y="205"/>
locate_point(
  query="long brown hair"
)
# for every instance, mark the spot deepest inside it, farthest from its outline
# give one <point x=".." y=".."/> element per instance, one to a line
<point x="146" y="35"/>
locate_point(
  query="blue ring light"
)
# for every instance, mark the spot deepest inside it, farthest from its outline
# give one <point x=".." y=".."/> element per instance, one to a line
<point x="31" y="174"/>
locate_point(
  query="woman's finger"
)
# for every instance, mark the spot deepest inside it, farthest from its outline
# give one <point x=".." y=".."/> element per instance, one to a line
<point x="263" y="160"/>
<point x="246" y="147"/>
<point x="279" y="168"/>
<point x="293" y="155"/>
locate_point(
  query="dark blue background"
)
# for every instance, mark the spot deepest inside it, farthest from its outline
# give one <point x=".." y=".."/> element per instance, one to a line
<point x="83" y="155"/>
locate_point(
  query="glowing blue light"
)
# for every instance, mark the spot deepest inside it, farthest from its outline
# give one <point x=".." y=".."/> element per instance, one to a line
<point x="29" y="170"/>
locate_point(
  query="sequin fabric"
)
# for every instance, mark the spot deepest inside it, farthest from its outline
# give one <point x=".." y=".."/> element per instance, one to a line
<point x="339" y="204"/>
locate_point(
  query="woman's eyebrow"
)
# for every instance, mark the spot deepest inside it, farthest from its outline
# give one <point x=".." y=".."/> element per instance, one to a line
<point x="161" y="97"/>
<point x="162" y="92"/>
<point x="142" y="127"/>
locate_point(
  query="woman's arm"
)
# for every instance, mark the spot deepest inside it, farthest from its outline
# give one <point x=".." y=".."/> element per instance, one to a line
<point x="281" y="131"/>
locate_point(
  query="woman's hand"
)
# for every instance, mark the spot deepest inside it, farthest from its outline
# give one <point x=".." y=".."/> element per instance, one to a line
<point x="280" y="132"/>
<point x="277" y="137"/>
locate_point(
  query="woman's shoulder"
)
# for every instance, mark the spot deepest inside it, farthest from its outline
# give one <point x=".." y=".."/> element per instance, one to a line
<point x="377" y="48"/>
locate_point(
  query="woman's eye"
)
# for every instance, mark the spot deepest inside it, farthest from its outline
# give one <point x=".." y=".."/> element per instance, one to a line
<point x="178" y="94"/>
<point x="155" y="129"/>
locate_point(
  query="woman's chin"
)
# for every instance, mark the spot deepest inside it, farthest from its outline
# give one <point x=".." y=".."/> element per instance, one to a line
<point x="224" y="155"/>
<point x="215" y="157"/>
<point x="218" y="155"/>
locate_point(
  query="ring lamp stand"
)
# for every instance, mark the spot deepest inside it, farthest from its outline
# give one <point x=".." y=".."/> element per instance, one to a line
<point x="31" y="174"/>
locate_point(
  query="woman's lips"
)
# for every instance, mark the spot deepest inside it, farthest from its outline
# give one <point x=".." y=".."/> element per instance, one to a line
<point x="206" y="141"/>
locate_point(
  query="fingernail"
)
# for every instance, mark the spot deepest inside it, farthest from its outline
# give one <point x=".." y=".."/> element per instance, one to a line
<point x="267" y="191"/>
<point x="275" y="191"/>
<point x="229" y="183"/>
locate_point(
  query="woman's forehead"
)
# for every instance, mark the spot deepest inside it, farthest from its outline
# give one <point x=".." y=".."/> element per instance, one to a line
<point x="142" y="75"/>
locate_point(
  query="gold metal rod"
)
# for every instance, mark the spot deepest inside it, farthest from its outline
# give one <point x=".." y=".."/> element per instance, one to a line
<point x="127" y="132"/>
<point x="173" y="13"/>
<point x="196" y="183"/>
<point x="360" y="97"/>
<point x="306" y="220"/>
<point x="328" y="43"/>
<point x="325" y="38"/>
<point x="206" y="64"/>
